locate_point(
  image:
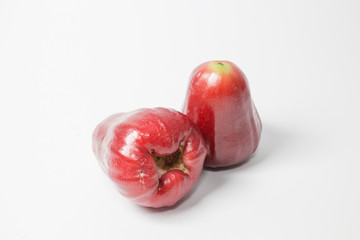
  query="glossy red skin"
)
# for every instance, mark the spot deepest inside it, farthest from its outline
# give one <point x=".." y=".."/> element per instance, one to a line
<point x="123" y="144"/>
<point x="221" y="105"/>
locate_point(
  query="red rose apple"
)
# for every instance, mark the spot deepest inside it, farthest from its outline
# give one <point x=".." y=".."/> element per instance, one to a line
<point x="218" y="100"/>
<point x="154" y="156"/>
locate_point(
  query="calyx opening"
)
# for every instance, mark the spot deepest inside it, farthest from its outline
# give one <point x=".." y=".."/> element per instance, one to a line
<point x="166" y="163"/>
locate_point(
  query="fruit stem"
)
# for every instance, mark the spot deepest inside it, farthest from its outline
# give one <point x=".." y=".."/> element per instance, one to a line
<point x="221" y="67"/>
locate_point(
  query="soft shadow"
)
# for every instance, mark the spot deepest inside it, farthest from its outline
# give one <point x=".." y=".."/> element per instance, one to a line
<point x="207" y="183"/>
<point x="272" y="139"/>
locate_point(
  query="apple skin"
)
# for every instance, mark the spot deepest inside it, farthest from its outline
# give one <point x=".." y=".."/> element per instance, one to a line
<point x="126" y="145"/>
<point x="218" y="100"/>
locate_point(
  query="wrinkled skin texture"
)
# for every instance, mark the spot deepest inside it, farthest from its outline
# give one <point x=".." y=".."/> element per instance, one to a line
<point x="218" y="100"/>
<point x="125" y="145"/>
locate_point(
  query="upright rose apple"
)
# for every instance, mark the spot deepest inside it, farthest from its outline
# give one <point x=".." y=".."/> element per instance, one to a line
<point x="154" y="156"/>
<point x="218" y="100"/>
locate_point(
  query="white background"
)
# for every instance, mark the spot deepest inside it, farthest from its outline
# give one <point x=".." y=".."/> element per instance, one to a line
<point x="66" y="65"/>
